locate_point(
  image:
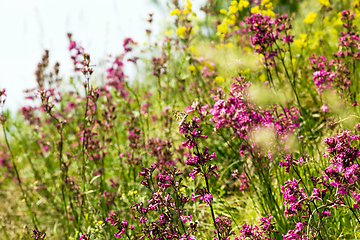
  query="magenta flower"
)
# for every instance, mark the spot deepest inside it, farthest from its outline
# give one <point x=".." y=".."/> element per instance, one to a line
<point x="324" y="108"/>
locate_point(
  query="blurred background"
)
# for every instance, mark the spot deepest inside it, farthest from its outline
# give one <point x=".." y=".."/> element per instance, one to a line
<point x="28" y="27"/>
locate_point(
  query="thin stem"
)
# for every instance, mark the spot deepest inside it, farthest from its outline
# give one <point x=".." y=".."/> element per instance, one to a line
<point x="313" y="202"/>
<point x="351" y="209"/>
<point x="211" y="208"/>
<point x="208" y="189"/>
<point x="83" y="144"/>
<point x="4" y="229"/>
<point x="33" y="216"/>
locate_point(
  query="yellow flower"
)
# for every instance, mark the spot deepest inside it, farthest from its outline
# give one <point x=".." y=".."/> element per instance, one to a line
<point x="310" y="19"/>
<point x="223" y="11"/>
<point x="298" y="43"/>
<point x="222" y="28"/>
<point x="210" y="66"/>
<point x="182" y="189"/>
<point x="185" y="11"/>
<point x="268" y="12"/>
<point x="175" y="12"/>
<point x="194" y="50"/>
<point x="233" y="9"/>
<point x="218" y="46"/>
<point x="192" y="68"/>
<point x="234" y="3"/>
<point x="324" y="2"/>
<point x="338" y="22"/>
<point x="181" y="31"/>
<point x="263" y="2"/>
<point x="326" y="20"/>
<point x="100" y="222"/>
<point x="188" y="5"/>
<point x="248" y="49"/>
<point x="255" y="9"/>
<point x="269" y="6"/>
<point x="262" y="77"/>
<point x="168" y="33"/>
<point x="303" y="36"/>
<point x="231" y="20"/>
<point x="293" y="61"/>
<point x="318" y="34"/>
<point x="219" y="79"/>
<point x="230" y="45"/>
<point x="243" y="4"/>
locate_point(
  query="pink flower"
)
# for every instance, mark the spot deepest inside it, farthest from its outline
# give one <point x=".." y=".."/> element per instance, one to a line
<point x="185" y="218"/>
<point x="324" y="108"/>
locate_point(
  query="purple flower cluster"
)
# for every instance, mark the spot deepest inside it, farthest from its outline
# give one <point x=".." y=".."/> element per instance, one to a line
<point x="122" y="226"/>
<point x="199" y="161"/>
<point x="244" y="181"/>
<point x="261" y="232"/>
<point x="165" y="206"/>
<point x="161" y="151"/>
<point x="303" y="209"/>
<point x="85" y="236"/>
<point x="329" y="75"/>
<point x="349" y="41"/>
<point x="288" y="161"/>
<point x="77" y="53"/>
<point x="344" y="170"/>
<point x="116" y="77"/>
<point x="238" y="113"/>
<point x="224" y="228"/>
<point x="38" y="235"/>
<point x="127" y="44"/>
<point x="266" y="31"/>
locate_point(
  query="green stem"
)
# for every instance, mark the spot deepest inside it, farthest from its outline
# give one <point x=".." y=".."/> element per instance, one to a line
<point x="32" y="215"/>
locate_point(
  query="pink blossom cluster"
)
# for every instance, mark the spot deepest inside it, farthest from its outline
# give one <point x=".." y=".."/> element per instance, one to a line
<point x="343" y="170"/>
<point x="238" y="113"/>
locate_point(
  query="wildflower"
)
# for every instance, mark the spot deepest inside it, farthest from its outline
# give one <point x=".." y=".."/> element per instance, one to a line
<point x="310" y="18"/>
<point x="192" y="68"/>
<point x="181" y="31"/>
<point x="244" y="181"/>
<point x="222" y="28"/>
<point x="263" y="231"/>
<point x="169" y="32"/>
<point x="38" y="235"/>
<point x="127" y="44"/>
<point x="324" y="2"/>
<point x="357" y="127"/>
<point x="219" y="79"/>
<point x="299" y="43"/>
<point x="224" y="227"/>
<point x="175" y="12"/>
<point x="122" y="226"/>
<point x="243" y="4"/>
<point x="343" y="170"/>
<point x="185" y="218"/>
<point x="324" y="108"/>
<point x="223" y="11"/>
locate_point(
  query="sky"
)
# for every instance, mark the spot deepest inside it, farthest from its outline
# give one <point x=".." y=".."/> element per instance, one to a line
<point x="28" y="27"/>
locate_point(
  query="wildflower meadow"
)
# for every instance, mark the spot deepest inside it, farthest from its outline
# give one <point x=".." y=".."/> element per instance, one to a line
<point x="243" y="125"/>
